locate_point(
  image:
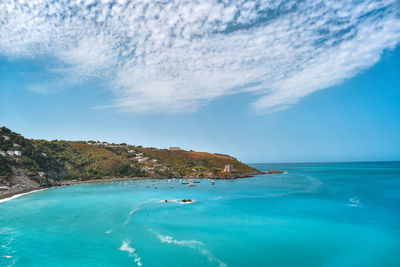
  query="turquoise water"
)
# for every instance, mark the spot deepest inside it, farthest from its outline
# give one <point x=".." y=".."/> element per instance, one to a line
<point x="314" y="215"/>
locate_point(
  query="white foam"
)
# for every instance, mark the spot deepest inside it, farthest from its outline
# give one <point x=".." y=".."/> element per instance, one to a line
<point x="126" y="247"/>
<point x="128" y="218"/>
<point x="6" y="230"/>
<point x="170" y="239"/>
<point x="19" y="195"/>
<point x="108" y="232"/>
<point x="354" y="202"/>
<point x="7" y="256"/>
<point x="132" y="252"/>
<point x="136" y="208"/>
<point x="193" y="244"/>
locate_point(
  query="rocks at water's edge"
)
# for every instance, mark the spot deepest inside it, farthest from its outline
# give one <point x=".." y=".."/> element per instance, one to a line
<point x="274" y="172"/>
<point x="183" y="201"/>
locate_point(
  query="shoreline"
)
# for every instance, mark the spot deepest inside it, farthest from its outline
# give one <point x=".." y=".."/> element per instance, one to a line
<point x="12" y="196"/>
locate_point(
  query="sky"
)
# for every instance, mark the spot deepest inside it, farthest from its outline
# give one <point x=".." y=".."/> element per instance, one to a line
<point x="263" y="81"/>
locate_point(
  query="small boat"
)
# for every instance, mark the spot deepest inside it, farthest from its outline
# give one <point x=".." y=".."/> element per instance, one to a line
<point x="212" y="182"/>
<point x="184" y="182"/>
<point x="191" y="184"/>
<point x="196" y="182"/>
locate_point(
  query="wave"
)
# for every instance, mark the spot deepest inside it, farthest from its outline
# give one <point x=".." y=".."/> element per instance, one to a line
<point x="6" y="248"/>
<point x="136" y="208"/>
<point x="131" y="252"/>
<point x="6" y="230"/>
<point x="108" y="232"/>
<point x="171" y="240"/>
<point x="354" y="202"/>
<point x="193" y="244"/>
<point x="128" y="218"/>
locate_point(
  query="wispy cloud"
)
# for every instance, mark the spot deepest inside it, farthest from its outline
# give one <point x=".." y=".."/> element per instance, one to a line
<point x="176" y="56"/>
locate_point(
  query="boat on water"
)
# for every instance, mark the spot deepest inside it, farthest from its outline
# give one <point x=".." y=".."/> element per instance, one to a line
<point x="184" y="182"/>
<point x="191" y="184"/>
<point x="212" y="182"/>
<point x="196" y="181"/>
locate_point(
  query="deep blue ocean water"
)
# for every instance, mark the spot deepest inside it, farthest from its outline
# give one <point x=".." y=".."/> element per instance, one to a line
<point x="330" y="214"/>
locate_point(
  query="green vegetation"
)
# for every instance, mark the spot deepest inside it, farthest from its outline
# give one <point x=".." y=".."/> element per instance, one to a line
<point x="94" y="160"/>
<point x="201" y="164"/>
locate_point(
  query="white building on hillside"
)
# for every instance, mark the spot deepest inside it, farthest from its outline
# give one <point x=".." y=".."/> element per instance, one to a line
<point x="10" y="153"/>
<point x="6" y="137"/>
<point x="2" y="153"/>
<point x="229" y="168"/>
<point x="174" y="148"/>
<point x="143" y="159"/>
<point x="17" y="153"/>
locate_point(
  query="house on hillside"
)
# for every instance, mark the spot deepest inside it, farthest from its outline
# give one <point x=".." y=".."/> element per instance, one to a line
<point x="229" y="168"/>
<point x="10" y="153"/>
<point x="2" y="153"/>
<point x="17" y="153"/>
<point x="143" y="159"/>
<point x="174" y="148"/>
<point x="147" y="168"/>
<point x="6" y="137"/>
<point x="16" y="145"/>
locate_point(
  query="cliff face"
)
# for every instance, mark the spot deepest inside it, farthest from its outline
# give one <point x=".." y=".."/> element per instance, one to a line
<point x="47" y="162"/>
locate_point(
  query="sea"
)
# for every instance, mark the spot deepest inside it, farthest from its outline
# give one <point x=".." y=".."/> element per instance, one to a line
<point x="314" y="214"/>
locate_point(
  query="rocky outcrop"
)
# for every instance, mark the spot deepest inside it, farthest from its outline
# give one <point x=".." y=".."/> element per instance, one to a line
<point x="16" y="183"/>
<point x="274" y="172"/>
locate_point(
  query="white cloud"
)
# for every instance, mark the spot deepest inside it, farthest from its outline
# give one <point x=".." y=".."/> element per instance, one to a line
<point x="176" y="56"/>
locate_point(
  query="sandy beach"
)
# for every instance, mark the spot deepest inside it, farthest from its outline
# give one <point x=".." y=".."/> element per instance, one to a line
<point x="15" y="193"/>
<point x="11" y="196"/>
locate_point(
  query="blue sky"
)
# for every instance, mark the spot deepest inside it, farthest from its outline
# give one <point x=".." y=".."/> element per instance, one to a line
<point x="284" y="82"/>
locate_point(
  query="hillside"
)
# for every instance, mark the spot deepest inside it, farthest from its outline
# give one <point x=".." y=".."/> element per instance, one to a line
<point x="49" y="162"/>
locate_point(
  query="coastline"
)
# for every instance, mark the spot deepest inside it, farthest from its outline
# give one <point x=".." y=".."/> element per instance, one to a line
<point x="11" y="196"/>
<point x="16" y="194"/>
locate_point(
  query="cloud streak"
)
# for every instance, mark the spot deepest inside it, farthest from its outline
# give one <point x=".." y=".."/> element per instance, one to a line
<point x="178" y="56"/>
